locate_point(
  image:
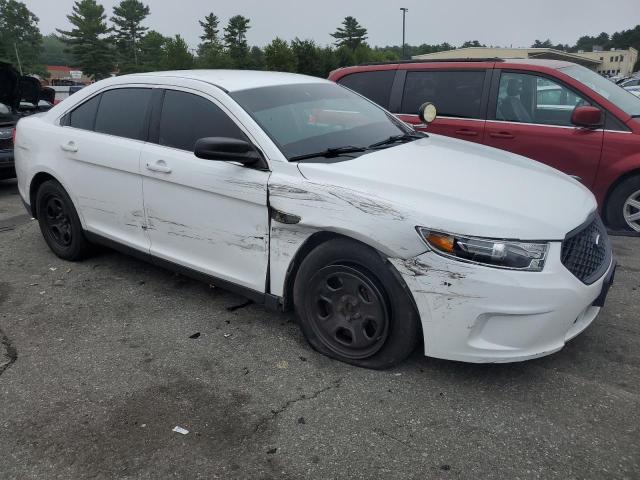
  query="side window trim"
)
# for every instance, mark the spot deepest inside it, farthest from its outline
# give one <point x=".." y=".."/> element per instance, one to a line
<point x="155" y="113"/>
<point x="484" y="100"/>
<point x="397" y="90"/>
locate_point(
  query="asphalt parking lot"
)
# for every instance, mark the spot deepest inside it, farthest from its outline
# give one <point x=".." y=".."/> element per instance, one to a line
<point x="98" y="365"/>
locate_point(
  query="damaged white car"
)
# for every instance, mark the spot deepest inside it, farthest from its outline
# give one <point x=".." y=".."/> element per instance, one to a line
<point x="298" y="193"/>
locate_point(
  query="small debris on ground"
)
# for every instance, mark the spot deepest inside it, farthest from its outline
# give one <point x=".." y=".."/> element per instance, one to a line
<point x="282" y="364"/>
<point x="227" y="335"/>
<point x="271" y="451"/>
<point x="195" y="335"/>
<point x="180" y="430"/>
<point x="302" y="421"/>
<point x="303" y="359"/>
<point x="238" y="307"/>
<point x="53" y="269"/>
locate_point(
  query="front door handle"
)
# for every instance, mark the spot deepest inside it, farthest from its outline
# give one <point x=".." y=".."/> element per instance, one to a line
<point x="502" y="135"/>
<point x="70" y="146"/>
<point x="466" y="132"/>
<point x="159" y="166"/>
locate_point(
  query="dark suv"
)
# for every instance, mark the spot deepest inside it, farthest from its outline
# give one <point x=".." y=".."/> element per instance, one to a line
<point x="558" y="113"/>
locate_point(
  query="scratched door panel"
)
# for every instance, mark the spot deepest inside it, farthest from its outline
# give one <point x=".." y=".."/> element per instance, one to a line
<point x="207" y="215"/>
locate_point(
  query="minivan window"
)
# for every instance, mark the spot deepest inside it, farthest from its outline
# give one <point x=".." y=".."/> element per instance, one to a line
<point x="376" y="86"/>
<point x="621" y="98"/>
<point x="186" y="118"/>
<point x="122" y="112"/>
<point x="454" y="93"/>
<point x="84" y="116"/>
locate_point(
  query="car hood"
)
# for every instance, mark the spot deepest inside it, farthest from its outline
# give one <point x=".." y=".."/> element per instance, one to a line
<point x="465" y="188"/>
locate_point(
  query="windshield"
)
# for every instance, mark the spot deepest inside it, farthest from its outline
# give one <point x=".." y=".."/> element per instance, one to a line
<point x="622" y="99"/>
<point x="306" y="118"/>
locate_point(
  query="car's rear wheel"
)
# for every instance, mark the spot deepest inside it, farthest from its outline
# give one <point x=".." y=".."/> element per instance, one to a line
<point x="352" y="308"/>
<point x="59" y="222"/>
<point x="623" y="206"/>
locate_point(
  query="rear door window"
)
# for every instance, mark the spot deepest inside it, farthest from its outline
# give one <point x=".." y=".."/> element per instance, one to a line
<point x="376" y="86"/>
<point x="454" y="93"/>
<point x="84" y="116"/>
<point x="186" y="118"/>
<point x="123" y="112"/>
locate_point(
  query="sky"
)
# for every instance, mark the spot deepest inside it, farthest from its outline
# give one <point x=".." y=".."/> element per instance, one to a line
<point x="514" y="23"/>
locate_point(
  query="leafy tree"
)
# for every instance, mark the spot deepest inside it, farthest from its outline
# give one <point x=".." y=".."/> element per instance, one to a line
<point x="351" y="34"/>
<point x="309" y="58"/>
<point x="53" y="51"/>
<point x="256" y="58"/>
<point x="127" y="17"/>
<point x="278" y="56"/>
<point x="19" y="30"/>
<point x="151" y="51"/>
<point x="89" y="41"/>
<point x="211" y="36"/>
<point x="235" y="40"/>
<point x="472" y="43"/>
<point x="177" y="55"/>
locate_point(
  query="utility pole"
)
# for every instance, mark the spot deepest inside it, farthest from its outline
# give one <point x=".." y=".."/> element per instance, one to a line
<point x="15" y="46"/>
<point x="404" y="13"/>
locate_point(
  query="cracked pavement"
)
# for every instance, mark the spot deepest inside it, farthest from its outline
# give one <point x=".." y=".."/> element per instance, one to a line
<point x="102" y="367"/>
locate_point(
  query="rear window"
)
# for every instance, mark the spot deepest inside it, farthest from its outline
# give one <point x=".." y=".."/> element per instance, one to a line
<point x="376" y="86"/>
<point x="455" y="94"/>
<point x="122" y="112"/>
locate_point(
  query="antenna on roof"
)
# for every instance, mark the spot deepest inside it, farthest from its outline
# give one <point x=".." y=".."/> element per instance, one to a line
<point x="15" y="46"/>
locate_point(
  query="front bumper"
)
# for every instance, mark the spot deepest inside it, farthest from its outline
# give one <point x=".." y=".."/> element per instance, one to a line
<point x="7" y="164"/>
<point x="480" y="314"/>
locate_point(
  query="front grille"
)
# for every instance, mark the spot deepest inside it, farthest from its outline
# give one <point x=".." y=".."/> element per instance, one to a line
<point x="586" y="251"/>
<point x="6" y="144"/>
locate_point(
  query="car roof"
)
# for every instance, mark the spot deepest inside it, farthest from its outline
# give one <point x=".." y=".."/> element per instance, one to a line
<point x="236" y="80"/>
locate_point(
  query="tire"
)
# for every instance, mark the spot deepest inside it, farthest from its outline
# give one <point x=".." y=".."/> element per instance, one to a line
<point x="59" y="222"/>
<point x="620" y="211"/>
<point x="352" y="308"/>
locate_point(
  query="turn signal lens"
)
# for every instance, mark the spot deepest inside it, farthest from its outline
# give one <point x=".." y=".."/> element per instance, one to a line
<point x="441" y="241"/>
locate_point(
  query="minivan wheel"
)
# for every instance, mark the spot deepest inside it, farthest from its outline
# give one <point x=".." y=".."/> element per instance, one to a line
<point x="352" y="308"/>
<point x="623" y="206"/>
<point x="59" y="222"/>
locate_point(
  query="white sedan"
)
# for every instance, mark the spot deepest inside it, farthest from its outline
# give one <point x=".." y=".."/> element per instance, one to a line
<point x="298" y="193"/>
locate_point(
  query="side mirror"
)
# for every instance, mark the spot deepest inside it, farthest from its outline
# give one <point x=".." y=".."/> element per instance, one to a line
<point x="427" y="112"/>
<point x="587" y="117"/>
<point x="227" y="149"/>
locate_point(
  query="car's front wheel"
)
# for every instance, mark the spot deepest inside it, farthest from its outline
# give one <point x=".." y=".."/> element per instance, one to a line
<point x="59" y="222"/>
<point x="623" y="206"/>
<point x="352" y="308"/>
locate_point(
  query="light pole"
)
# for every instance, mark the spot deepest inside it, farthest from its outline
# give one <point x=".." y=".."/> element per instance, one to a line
<point x="404" y="13"/>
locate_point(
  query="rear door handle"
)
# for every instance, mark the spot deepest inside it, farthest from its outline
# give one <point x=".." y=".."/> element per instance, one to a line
<point x="159" y="166"/>
<point x="467" y="133"/>
<point x="502" y="135"/>
<point x="70" y="146"/>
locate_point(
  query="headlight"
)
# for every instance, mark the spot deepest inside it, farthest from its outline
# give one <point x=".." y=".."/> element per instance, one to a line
<point x="508" y="254"/>
<point x="6" y="133"/>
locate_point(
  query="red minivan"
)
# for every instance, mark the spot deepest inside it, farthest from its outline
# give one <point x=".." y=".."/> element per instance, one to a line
<point x="555" y="112"/>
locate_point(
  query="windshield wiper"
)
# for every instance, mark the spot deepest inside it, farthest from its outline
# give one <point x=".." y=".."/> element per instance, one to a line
<point x="330" y="152"/>
<point x="405" y="137"/>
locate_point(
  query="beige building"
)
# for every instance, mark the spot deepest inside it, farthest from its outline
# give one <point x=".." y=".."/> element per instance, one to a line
<point x="610" y="62"/>
<point x="614" y="62"/>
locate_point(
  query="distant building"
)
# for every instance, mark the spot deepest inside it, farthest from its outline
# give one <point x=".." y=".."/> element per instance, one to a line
<point x="609" y="62"/>
<point x="613" y="62"/>
<point x="531" y="53"/>
<point x="62" y="75"/>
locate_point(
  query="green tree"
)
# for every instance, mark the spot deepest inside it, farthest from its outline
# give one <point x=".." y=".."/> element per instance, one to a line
<point x="53" y="51"/>
<point x="89" y="40"/>
<point x="278" y="56"/>
<point x="256" y="58"/>
<point x="127" y="17"/>
<point x="19" y="31"/>
<point x="152" y="51"/>
<point x="309" y="59"/>
<point x="235" y="40"/>
<point x="177" y="55"/>
<point x="211" y="35"/>
<point x="542" y="44"/>
<point x="351" y="34"/>
<point x="472" y="43"/>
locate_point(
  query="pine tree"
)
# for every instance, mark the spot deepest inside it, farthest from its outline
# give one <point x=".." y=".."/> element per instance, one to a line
<point x="351" y="34"/>
<point x="19" y="31"/>
<point x="278" y="56"/>
<point x="235" y="40"/>
<point x="211" y="36"/>
<point x="151" y="51"/>
<point x="128" y="31"/>
<point x="177" y="55"/>
<point x="89" y="40"/>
